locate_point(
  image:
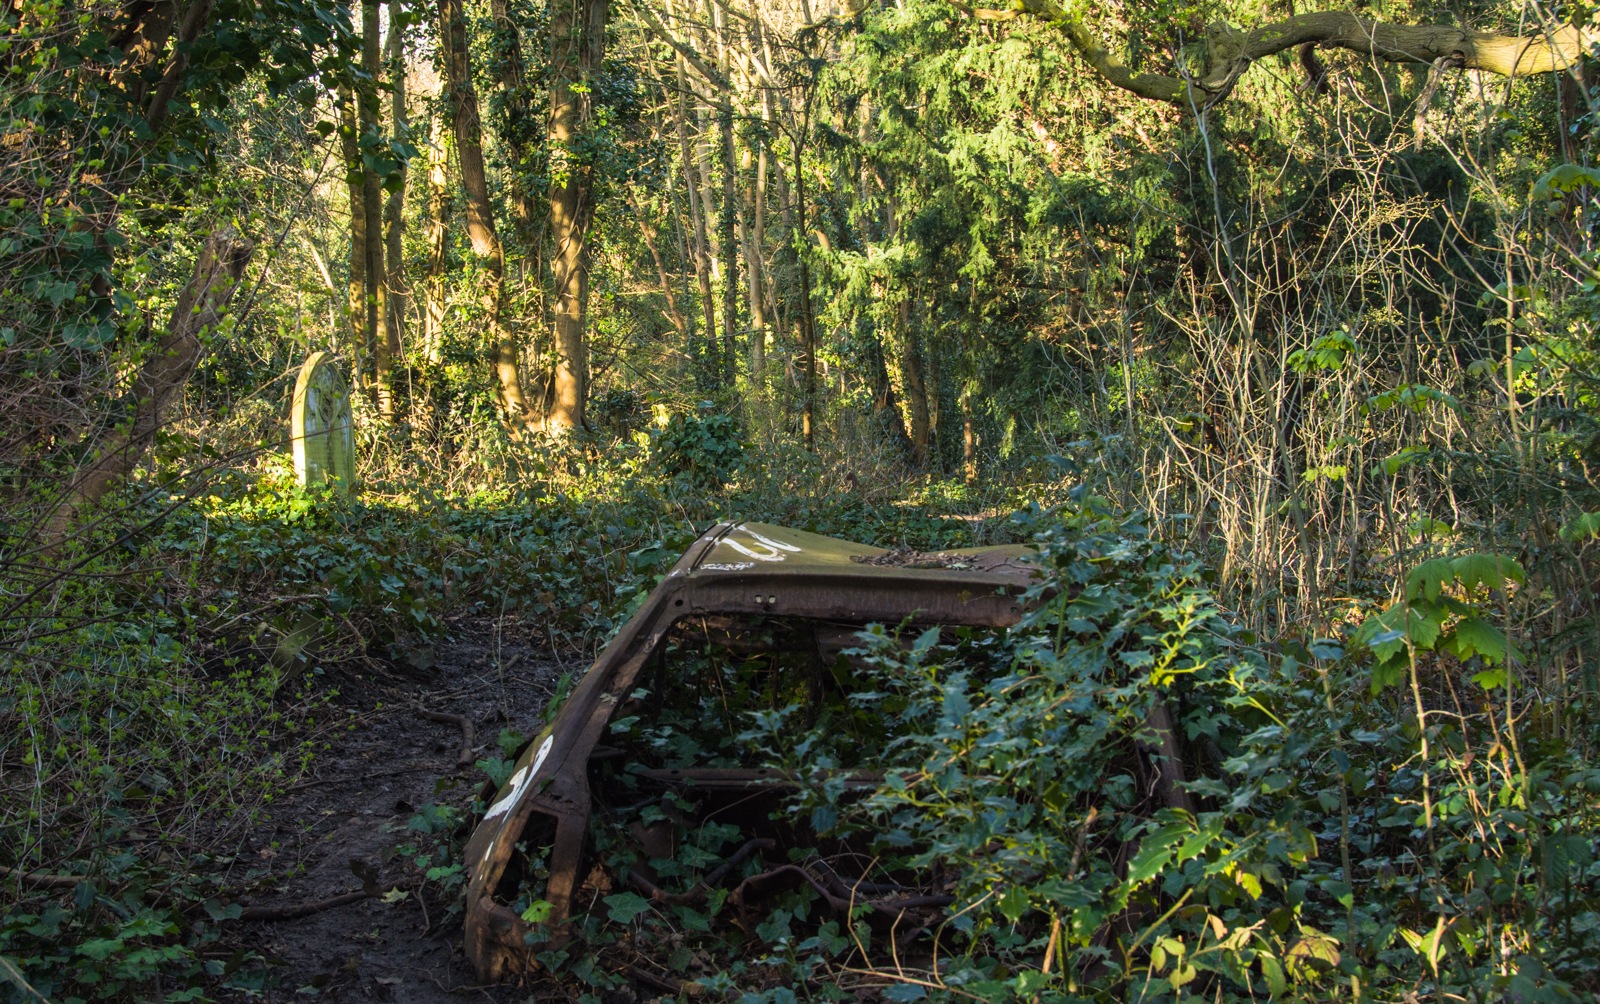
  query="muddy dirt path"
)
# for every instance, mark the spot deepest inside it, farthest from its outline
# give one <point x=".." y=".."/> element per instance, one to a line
<point x="356" y="806"/>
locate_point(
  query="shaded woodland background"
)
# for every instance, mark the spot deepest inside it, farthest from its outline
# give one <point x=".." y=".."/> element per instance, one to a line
<point x="600" y="273"/>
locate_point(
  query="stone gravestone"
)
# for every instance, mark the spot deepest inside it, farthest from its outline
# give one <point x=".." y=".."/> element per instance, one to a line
<point x="319" y="424"/>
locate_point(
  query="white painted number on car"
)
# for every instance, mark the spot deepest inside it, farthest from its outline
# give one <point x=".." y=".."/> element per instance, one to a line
<point x="520" y="780"/>
<point x="774" y="548"/>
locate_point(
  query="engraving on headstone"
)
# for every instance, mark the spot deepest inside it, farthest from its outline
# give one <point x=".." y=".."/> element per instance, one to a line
<point x="320" y="426"/>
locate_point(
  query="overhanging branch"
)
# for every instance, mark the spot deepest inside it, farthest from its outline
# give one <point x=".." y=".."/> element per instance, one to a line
<point x="1227" y="50"/>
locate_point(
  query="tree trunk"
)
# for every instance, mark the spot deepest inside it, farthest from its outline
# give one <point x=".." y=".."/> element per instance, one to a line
<point x="808" y="327"/>
<point x="577" y="47"/>
<point x="916" y="388"/>
<point x="372" y="202"/>
<point x="438" y="244"/>
<point x="754" y="241"/>
<point x="969" y="441"/>
<point x="356" y="308"/>
<point x="161" y="379"/>
<point x="697" y="214"/>
<point x="480" y="213"/>
<point x="885" y="409"/>
<point x="511" y="78"/>
<point x="648" y="232"/>
<point x="730" y="245"/>
<point x="395" y="209"/>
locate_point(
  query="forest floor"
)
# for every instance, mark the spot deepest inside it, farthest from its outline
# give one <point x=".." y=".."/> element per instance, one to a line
<point x="356" y="807"/>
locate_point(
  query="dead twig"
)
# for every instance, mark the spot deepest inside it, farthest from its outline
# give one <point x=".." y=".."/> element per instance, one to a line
<point x="297" y="910"/>
<point x="44" y="879"/>
<point x="359" y="777"/>
<point x="468" y="733"/>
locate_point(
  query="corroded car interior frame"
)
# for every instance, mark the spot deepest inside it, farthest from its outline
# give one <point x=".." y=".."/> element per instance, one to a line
<point x="734" y="570"/>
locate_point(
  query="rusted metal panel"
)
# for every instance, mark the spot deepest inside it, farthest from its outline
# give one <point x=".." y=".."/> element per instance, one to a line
<point x="734" y="571"/>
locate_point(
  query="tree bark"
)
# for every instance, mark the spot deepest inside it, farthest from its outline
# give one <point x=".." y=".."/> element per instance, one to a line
<point x="143" y="40"/>
<point x="577" y="48"/>
<point x="194" y="21"/>
<point x="394" y="209"/>
<point x="377" y="312"/>
<point x="480" y="213"/>
<point x="730" y="246"/>
<point x="433" y="305"/>
<point x="511" y="78"/>
<point x="916" y="387"/>
<point x="648" y="232"/>
<point x="162" y="377"/>
<point x="356" y="307"/>
<point x="754" y="241"/>
<point x="808" y="327"/>
<point x="697" y="214"/>
<point x="885" y="409"/>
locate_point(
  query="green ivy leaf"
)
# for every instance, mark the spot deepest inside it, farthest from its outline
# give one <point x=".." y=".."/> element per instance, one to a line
<point x="1014" y="903"/>
<point x="625" y="907"/>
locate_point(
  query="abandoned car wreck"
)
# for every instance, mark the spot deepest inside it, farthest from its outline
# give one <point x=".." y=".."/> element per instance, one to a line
<point x="778" y="605"/>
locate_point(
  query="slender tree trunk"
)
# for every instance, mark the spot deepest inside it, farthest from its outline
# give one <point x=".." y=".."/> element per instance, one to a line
<point x="730" y="244"/>
<point x="438" y="244"/>
<point x="648" y="232"/>
<point x="930" y="377"/>
<point x="356" y="312"/>
<point x="377" y="304"/>
<point x="394" y="210"/>
<point x="808" y="326"/>
<point x="480" y="213"/>
<point x="969" y="440"/>
<point x="577" y="47"/>
<point x="885" y="409"/>
<point x="697" y="213"/>
<point x="754" y="242"/>
<point x="200" y="307"/>
<point x="511" y="79"/>
<point x="916" y="388"/>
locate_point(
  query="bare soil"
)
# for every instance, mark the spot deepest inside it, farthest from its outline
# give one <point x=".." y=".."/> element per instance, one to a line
<point x="380" y="769"/>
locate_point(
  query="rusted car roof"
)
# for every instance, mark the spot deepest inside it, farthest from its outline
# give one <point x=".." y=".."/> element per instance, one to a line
<point x="734" y="572"/>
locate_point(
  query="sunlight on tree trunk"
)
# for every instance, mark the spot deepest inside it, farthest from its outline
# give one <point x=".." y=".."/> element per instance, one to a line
<point x="480" y="213"/>
<point x="577" y="46"/>
<point x="394" y="210"/>
<point x="356" y="300"/>
<point x="377" y="299"/>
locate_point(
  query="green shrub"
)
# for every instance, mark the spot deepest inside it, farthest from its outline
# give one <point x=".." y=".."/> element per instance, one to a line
<point x="704" y="450"/>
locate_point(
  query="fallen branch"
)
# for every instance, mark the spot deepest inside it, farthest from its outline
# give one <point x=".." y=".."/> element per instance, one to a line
<point x="359" y="777"/>
<point x="466" y="757"/>
<point x="297" y="910"/>
<point x="44" y="879"/>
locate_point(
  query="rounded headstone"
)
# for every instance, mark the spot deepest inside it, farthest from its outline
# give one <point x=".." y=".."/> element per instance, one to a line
<point x="320" y="426"/>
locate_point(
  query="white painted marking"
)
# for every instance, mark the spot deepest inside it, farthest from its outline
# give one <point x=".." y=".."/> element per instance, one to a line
<point x="780" y="545"/>
<point x="520" y="780"/>
<point x="774" y="548"/>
